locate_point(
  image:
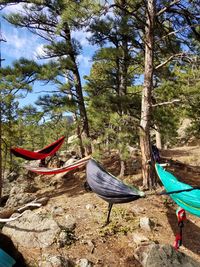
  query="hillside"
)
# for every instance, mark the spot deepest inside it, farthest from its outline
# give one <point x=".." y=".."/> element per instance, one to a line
<point x="113" y="245"/>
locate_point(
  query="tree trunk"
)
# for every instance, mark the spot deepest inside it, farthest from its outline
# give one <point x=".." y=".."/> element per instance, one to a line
<point x="158" y="138"/>
<point x="1" y="171"/>
<point x="145" y="144"/>
<point x="79" y="95"/>
<point x="122" y="168"/>
<point x="83" y="114"/>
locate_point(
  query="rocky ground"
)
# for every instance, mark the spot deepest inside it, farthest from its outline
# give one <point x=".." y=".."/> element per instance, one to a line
<point x="70" y="229"/>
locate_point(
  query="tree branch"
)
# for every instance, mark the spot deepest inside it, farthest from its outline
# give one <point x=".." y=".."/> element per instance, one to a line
<point x="167" y="103"/>
<point x="179" y="30"/>
<point x="169" y="59"/>
<point x="167" y="7"/>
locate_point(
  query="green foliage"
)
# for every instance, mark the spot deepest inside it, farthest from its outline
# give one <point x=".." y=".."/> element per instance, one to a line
<point x="122" y="222"/>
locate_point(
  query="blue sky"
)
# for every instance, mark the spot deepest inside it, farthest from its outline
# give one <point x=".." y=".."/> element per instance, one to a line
<point x="22" y="43"/>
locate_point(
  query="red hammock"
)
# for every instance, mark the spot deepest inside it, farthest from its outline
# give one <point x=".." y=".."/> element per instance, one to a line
<point x="49" y="171"/>
<point x="40" y="154"/>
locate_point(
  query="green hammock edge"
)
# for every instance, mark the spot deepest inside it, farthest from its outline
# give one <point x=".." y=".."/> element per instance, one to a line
<point x="190" y="201"/>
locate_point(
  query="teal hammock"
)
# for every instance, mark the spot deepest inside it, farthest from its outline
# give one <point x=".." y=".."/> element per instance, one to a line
<point x="186" y="196"/>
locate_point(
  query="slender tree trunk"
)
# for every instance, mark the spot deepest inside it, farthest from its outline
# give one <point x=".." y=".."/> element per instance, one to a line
<point x="1" y="165"/>
<point x="78" y="131"/>
<point x="122" y="168"/>
<point x="83" y="113"/>
<point x="1" y="155"/>
<point x="122" y="75"/>
<point x="147" y="168"/>
<point x="79" y="94"/>
<point x="158" y="138"/>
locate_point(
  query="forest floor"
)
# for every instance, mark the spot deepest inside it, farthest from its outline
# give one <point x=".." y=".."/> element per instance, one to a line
<point x="113" y="245"/>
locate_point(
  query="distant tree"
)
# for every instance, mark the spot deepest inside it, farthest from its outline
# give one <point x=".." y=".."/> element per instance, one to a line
<point x="112" y="75"/>
<point x="9" y="92"/>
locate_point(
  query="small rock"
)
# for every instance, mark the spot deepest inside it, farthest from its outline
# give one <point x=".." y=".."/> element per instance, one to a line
<point x="54" y="261"/>
<point x="67" y="222"/>
<point x="84" y="263"/>
<point x="146" y="224"/>
<point x="90" y="206"/>
<point x="139" y="238"/>
<point x="70" y="222"/>
<point x="57" y="210"/>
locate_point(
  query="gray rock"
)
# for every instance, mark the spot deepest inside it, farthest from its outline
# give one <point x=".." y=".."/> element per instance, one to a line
<point x="18" y="196"/>
<point x="155" y="255"/>
<point x="84" y="263"/>
<point x="57" y="210"/>
<point x="54" y="261"/>
<point x="32" y="230"/>
<point x="146" y="224"/>
<point x="69" y="222"/>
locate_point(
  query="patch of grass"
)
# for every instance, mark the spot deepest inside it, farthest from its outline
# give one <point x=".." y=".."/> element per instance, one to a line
<point x="122" y="221"/>
<point x="167" y="202"/>
<point x="191" y="160"/>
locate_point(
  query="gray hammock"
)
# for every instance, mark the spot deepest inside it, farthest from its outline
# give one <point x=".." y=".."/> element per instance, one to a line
<point x="108" y="187"/>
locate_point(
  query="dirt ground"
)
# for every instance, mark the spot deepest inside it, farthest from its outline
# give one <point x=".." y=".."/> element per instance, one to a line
<point x="113" y="245"/>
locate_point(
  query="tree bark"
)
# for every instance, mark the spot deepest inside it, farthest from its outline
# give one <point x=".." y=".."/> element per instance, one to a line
<point x="87" y="149"/>
<point x="158" y="138"/>
<point x="122" y="168"/>
<point x="145" y="144"/>
<point x="1" y="171"/>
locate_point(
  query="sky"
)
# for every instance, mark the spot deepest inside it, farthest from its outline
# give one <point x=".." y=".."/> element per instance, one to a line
<point x="22" y="43"/>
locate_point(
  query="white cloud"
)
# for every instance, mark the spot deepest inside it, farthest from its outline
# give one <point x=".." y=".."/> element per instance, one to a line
<point x="39" y="51"/>
<point x="13" y="8"/>
<point x="21" y="47"/>
<point x="82" y="36"/>
<point x="84" y="61"/>
<point x="19" y="43"/>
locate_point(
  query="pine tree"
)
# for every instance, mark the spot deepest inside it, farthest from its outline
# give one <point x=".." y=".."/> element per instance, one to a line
<point x="54" y="21"/>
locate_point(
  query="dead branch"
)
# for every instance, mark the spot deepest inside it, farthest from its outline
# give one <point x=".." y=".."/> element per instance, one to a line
<point x="179" y="30"/>
<point x="10" y="219"/>
<point x="180" y="55"/>
<point x="167" y="103"/>
<point x="37" y="203"/>
<point x="167" y="7"/>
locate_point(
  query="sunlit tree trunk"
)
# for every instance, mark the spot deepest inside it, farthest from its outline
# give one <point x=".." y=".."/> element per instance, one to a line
<point x="1" y="172"/>
<point x="158" y="138"/>
<point x="145" y="144"/>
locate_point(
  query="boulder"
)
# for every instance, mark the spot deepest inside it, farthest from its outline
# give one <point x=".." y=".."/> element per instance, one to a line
<point x="156" y="255"/>
<point x="33" y="230"/>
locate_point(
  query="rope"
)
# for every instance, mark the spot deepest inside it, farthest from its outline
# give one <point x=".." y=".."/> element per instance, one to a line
<point x="172" y="192"/>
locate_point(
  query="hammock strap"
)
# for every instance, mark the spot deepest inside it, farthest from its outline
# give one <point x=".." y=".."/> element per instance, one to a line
<point x="179" y="191"/>
<point x="181" y="216"/>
